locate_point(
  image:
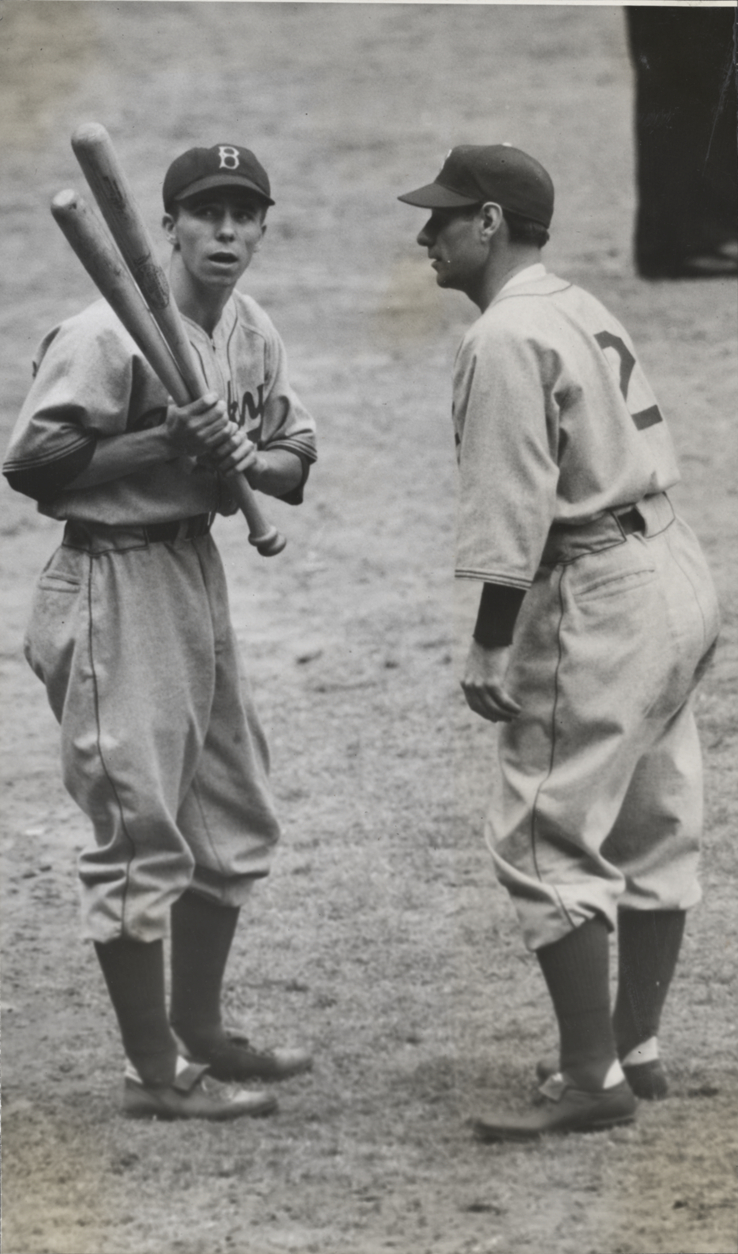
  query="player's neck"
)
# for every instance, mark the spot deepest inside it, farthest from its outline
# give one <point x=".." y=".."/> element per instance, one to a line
<point x="202" y="304"/>
<point x="500" y="269"/>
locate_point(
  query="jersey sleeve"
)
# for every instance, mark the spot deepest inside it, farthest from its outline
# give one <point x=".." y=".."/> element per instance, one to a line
<point x="507" y="431"/>
<point x="287" y="423"/>
<point x="80" y="391"/>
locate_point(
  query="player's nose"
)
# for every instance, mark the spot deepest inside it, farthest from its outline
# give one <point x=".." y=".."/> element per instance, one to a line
<point x="227" y="227"/>
<point x="425" y="237"/>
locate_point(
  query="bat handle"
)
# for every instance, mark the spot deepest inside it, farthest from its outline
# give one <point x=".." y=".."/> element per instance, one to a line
<point x="263" y="535"/>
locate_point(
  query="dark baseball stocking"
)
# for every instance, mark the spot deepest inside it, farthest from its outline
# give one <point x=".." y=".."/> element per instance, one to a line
<point x="649" y="942"/>
<point x="202" y="934"/>
<point x="134" y="974"/>
<point x="576" y="970"/>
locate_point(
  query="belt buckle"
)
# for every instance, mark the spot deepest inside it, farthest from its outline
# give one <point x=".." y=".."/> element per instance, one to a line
<point x="631" y="520"/>
<point x="178" y="529"/>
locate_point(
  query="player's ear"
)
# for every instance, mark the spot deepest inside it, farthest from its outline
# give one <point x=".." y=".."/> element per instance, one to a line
<point x="492" y="218"/>
<point x="169" y="225"/>
<point x="263" y="233"/>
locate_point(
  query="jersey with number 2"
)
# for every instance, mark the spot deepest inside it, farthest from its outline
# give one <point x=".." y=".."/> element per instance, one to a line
<point x="555" y="421"/>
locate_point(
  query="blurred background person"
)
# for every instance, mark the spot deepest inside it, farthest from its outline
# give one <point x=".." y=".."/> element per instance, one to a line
<point x="685" y="129"/>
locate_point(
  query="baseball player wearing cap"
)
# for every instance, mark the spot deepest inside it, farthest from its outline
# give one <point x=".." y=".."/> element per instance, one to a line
<point x="597" y="616"/>
<point x="131" y="634"/>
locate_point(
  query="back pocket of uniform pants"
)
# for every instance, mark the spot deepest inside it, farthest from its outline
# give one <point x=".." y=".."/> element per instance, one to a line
<point x="612" y="572"/>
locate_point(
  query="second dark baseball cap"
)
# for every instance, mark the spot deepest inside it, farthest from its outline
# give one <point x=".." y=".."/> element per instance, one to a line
<point x="223" y="165"/>
<point x="473" y="173"/>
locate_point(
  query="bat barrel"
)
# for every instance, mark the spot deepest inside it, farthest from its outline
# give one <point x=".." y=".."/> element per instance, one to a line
<point x="94" y="248"/>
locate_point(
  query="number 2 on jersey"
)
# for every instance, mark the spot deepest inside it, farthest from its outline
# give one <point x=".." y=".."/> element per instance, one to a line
<point x="626" y="362"/>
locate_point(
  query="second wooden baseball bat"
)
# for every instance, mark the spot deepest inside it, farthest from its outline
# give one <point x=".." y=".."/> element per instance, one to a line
<point x="92" y="244"/>
<point x="99" y="161"/>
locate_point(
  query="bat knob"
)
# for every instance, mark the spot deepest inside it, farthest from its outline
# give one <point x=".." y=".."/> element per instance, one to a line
<point x="270" y="543"/>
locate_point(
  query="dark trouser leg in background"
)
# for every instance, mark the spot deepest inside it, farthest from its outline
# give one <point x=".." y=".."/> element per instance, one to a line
<point x="134" y="974"/>
<point x="685" y="109"/>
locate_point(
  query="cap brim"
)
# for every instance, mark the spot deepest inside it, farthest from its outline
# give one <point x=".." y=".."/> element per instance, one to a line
<point x="434" y="196"/>
<point x="222" y="180"/>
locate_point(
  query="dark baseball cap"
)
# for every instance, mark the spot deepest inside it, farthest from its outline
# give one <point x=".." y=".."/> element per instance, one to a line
<point x="474" y="173"/>
<point x="223" y="165"/>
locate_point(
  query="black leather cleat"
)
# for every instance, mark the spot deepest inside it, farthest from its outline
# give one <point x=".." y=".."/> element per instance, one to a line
<point x="236" y="1060"/>
<point x="646" y="1079"/>
<point x="191" y="1096"/>
<point x="564" y="1109"/>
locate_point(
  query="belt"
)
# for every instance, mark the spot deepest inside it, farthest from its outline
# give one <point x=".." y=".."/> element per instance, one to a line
<point x="566" y="543"/>
<point x="102" y="538"/>
<point x="180" y="529"/>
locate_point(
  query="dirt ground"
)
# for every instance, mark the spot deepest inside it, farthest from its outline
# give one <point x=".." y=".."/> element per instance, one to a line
<point x="381" y="939"/>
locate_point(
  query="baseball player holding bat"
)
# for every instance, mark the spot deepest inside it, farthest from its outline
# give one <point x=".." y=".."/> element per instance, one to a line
<point x="597" y="617"/>
<point x="131" y="634"/>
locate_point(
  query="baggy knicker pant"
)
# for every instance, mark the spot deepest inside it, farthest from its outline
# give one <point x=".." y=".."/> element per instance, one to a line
<point x="601" y="803"/>
<point x="161" y="744"/>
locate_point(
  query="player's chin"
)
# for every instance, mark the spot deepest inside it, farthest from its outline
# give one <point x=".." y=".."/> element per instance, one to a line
<point x="446" y="280"/>
<point x="220" y="275"/>
<point x="222" y="279"/>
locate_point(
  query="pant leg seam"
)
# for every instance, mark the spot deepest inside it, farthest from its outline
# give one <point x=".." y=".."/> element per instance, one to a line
<point x="217" y="646"/>
<point x="551" y="757"/>
<point x="98" y="742"/>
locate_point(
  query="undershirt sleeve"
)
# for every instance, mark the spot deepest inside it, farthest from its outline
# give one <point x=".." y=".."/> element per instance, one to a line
<point x="499" y="605"/>
<point x="43" y="479"/>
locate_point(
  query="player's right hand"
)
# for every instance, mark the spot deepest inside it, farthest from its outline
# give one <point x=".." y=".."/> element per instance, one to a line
<point x="234" y="451"/>
<point x="197" y="428"/>
<point x="484" y="684"/>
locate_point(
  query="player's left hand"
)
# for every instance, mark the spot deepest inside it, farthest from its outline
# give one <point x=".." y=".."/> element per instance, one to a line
<point x="484" y="684"/>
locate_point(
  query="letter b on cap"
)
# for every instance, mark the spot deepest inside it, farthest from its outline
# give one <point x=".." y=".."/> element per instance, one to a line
<point x="229" y="158"/>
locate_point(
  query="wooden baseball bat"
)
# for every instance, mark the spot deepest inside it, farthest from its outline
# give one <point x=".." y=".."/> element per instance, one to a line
<point x="96" y="155"/>
<point x="94" y="247"/>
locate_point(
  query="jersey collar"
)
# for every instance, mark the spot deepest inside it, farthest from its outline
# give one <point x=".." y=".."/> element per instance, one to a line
<point x="529" y="275"/>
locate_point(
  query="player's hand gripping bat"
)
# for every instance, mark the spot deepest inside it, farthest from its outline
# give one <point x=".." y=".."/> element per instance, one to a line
<point x="94" y="151"/>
